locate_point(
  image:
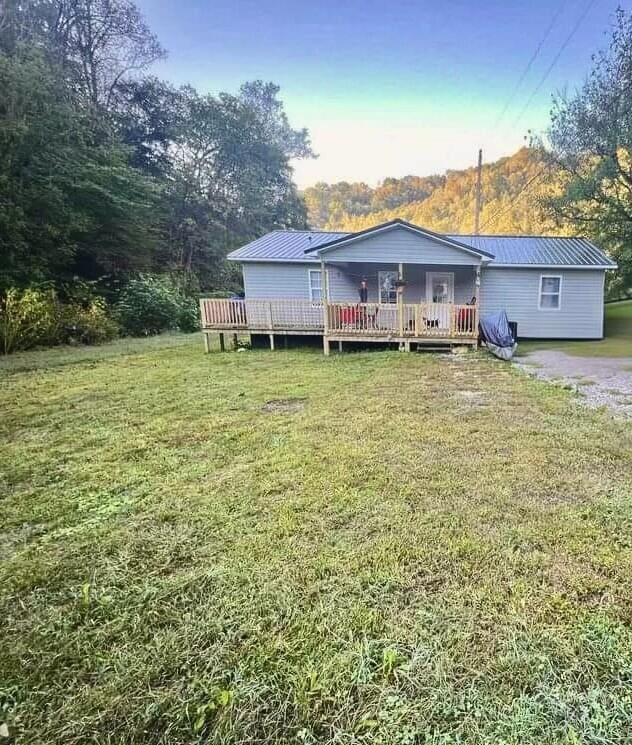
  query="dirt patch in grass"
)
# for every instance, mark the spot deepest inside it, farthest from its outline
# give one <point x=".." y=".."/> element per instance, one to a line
<point x="284" y="405"/>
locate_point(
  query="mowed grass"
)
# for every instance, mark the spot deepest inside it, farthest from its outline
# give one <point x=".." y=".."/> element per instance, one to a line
<point x="617" y="341"/>
<point x="402" y="548"/>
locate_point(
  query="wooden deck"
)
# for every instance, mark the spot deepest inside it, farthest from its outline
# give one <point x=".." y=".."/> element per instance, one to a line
<point x="403" y="323"/>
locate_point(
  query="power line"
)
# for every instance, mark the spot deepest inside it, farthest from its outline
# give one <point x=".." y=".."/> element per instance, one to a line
<point x="502" y="211"/>
<point x="549" y="69"/>
<point x="533" y="58"/>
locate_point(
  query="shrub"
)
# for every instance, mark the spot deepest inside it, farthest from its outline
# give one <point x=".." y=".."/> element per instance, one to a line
<point x="189" y="315"/>
<point x="35" y="317"/>
<point x="28" y="318"/>
<point x="150" y="304"/>
<point x="87" y="325"/>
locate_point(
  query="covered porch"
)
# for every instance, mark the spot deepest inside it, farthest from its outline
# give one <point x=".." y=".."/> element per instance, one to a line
<point x="407" y="304"/>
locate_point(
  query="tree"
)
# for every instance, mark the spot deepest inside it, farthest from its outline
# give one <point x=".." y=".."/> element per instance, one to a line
<point x="149" y="115"/>
<point x="99" y="43"/>
<point x="69" y="202"/>
<point x="229" y="177"/>
<point x="591" y="145"/>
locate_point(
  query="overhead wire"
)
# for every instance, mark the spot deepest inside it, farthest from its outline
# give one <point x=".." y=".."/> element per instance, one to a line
<point x="534" y="93"/>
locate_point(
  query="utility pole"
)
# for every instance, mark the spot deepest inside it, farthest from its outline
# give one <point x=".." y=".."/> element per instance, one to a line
<point x="479" y="196"/>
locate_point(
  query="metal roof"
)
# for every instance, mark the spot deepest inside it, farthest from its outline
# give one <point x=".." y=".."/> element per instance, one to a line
<point x="284" y="245"/>
<point x="540" y="250"/>
<point x="507" y="250"/>
<point x="399" y="223"/>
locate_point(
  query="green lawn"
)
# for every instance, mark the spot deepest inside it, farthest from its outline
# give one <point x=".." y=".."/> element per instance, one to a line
<point x="401" y="548"/>
<point x="617" y="341"/>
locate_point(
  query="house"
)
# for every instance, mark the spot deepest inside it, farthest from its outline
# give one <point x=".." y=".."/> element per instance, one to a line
<point x="398" y="282"/>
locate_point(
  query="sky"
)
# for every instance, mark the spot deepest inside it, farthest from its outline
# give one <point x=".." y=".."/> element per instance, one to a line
<point x="389" y="88"/>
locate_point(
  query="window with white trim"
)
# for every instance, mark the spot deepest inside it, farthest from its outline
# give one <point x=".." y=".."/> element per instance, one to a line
<point x="388" y="288"/>
<point x="315" y="285"/>
<point x="550" y="292"/>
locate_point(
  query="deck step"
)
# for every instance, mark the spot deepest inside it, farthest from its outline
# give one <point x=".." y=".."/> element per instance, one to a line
<point x="445" y="348"/>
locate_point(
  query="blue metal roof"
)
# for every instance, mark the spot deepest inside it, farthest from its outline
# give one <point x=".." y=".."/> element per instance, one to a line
<point x="292" y="245"/>
<point x="538" y="249"/>
<point x="284" y="245"/>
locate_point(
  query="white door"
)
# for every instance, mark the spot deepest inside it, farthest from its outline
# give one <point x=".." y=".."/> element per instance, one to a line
<point x="440" y="290"/>
<point x="440" y="287"/>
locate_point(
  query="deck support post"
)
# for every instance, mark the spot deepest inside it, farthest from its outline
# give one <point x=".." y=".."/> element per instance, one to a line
<point x="207" y="342"/>
<point x="340" y="345"/>
<point x="406" y="346"/>
<point x="222" y="345"/>
<point x="271" y="342"/>
<point x="235" y="342"/>
<point x="325" y="346"/>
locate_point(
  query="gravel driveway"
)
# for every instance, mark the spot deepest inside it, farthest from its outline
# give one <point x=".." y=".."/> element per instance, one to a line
<point x="599" y="381"/>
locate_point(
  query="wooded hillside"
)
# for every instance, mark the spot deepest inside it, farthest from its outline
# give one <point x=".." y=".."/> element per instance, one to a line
<point x="512" y="190"/>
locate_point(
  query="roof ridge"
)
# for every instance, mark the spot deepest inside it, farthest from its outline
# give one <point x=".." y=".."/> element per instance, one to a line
<point x="519" y="235"/>
<point x="301" y="230"/>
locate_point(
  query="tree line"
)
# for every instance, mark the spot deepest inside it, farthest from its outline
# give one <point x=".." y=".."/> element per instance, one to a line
<point x="120" y="194"/>
<point x="575" y="180"/>
<point x="107" y="172"/>
<point x="445" y="205"/>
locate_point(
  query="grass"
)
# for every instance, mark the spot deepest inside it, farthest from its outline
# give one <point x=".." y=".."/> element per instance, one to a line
<point x="397" y="549"/>
<point x="617" y="341"/>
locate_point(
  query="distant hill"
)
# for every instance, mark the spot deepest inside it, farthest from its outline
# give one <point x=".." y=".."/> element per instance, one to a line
<point x="445" y="203"/>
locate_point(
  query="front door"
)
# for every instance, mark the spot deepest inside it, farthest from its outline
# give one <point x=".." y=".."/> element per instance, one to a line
<point x="440" y="287"/>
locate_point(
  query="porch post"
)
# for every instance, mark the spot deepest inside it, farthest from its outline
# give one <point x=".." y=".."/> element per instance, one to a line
<point x="325" y="292"/>
<point x="400" y="301"/>
<point x="477" y="292"/>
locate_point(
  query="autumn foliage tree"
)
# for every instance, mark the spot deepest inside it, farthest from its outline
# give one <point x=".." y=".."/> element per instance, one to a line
<point x="591" y="150"/>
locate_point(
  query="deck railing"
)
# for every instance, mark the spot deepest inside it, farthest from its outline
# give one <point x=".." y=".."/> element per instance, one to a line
<point x="261" y="315"/>
<point x="445" y="320"/>
<point x="402" y="320"/>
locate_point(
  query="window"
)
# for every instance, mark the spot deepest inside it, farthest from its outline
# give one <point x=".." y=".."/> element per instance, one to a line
<point x="388" y="289"/>
<point x="550" y="292"/>
<point x="315" y="285"/>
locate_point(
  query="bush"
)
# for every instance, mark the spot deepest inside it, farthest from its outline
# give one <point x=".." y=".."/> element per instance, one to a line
<point x="28" y="318"/>
<point x="189" y="315"/>
<point x="35" y="317"/>
<point x="87" y="325"/>
<point x="150" y="304"/>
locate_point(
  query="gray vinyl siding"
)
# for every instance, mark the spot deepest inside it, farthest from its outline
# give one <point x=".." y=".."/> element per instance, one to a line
<point x="345" y="281"/>
<point x="513" y="290"/>
<point x="400" y="245"/>
<point x="277" y="280"/>
<point x="517" y="291"/>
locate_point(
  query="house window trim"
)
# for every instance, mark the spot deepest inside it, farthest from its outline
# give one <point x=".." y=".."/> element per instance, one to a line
<point x="379" y="286"/>
<point x="310" y="287"/>
<point x="558" y="293"/>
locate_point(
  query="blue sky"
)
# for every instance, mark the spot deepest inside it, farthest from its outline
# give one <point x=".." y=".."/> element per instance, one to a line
<point x="386" y="88"/>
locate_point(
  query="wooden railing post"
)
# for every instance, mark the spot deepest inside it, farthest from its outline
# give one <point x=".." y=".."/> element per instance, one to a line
<point x="269" y="314"/>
